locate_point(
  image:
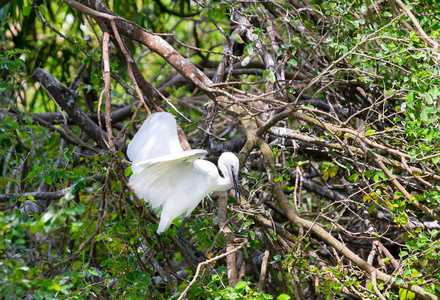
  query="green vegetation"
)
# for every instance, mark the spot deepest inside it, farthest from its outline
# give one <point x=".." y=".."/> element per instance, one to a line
<point x="331" y="106"/>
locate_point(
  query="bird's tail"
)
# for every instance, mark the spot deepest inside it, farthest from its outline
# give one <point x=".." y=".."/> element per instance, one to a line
<point x="164" y="224"/>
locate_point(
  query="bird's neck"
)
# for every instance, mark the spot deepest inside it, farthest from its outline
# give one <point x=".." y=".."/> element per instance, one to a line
<point x="226" y="182"/>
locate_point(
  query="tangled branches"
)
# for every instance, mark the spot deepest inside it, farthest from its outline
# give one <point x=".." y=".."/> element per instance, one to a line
<point x="331" y="107"/>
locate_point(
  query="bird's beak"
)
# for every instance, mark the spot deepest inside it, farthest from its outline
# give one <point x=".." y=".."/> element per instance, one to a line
<point x="236" y="185"/>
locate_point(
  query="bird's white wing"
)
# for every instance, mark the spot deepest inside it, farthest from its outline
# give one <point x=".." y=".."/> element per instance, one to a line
<point x="156" y="178"/>
<point x="156" y="137"/>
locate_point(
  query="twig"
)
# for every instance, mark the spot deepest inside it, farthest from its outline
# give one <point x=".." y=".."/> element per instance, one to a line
<point x="334" y="63"/>
<point x="229" y="237"/>
<point x="374" y="284"/>
<point x="417" y="24"/>
<point x="130" y="61"/>
<point x="95" y="232"/>
<point x="199" y="266"/>
<point x="263" y="271"/>
<point x="323" y="234"/>
<point x="37" y="195"/>
<point x="107" y="88"/>
<point x="397" y="184"/>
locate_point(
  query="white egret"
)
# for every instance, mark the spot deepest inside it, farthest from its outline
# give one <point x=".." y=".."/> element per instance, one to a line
<point x="170" y="178"/>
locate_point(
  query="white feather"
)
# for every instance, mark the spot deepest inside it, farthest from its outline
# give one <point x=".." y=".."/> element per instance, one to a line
<point x="170" y="178"/>
<point x="156" y="137"/>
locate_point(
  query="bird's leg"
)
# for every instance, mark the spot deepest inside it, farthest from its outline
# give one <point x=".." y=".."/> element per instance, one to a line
<point x="185" y="243"/>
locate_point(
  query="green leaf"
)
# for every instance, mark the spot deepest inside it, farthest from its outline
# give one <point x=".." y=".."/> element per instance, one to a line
<point x="424" y="115"/>
<point x="80" y="209"/>
<point x="283" y="297"/>
<point x="410" y="97"/>
<point x="27" y="10"/>
<point x="93" y="272"/>
<point x="240" y="285"/>
<point x="406" y="295"/>
<point x="250" y="48"/>
<point x="52" y="286"/>
<point x="42" y="9"/>
<point x="238" y="39"/>
<point x="370" y="132"/>
<point x="245" y="252"/>
<point x="353" y="177"/>
<point x="336" y="271"/>
<point x="398" y="195"/>
<point x="48" y="179"/>
<point x="373" y="208"/>
<point x="414" y="273"/>
<point x="98" y="238"/>
<point x="293" y="62"/>
<point x="376" y="178"/>
<point x="271" y="76"/>
<point x="349" y="17"/>
<point x="245" y="61"/>
<point x="383" y="176"/>
<point x="127" y="171"/>
<point x="204" y="13"/>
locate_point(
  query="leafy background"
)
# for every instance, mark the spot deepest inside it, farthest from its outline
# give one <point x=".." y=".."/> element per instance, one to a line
<point x="361" y="82"/>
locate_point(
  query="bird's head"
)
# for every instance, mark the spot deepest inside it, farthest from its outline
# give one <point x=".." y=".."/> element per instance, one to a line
<point x="229" y="165"/>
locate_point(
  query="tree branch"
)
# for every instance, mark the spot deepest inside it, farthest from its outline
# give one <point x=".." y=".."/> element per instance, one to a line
<point x="66" y="99"/>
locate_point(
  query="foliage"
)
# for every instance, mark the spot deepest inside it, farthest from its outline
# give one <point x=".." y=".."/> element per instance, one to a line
<point x="343" y="93"/>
